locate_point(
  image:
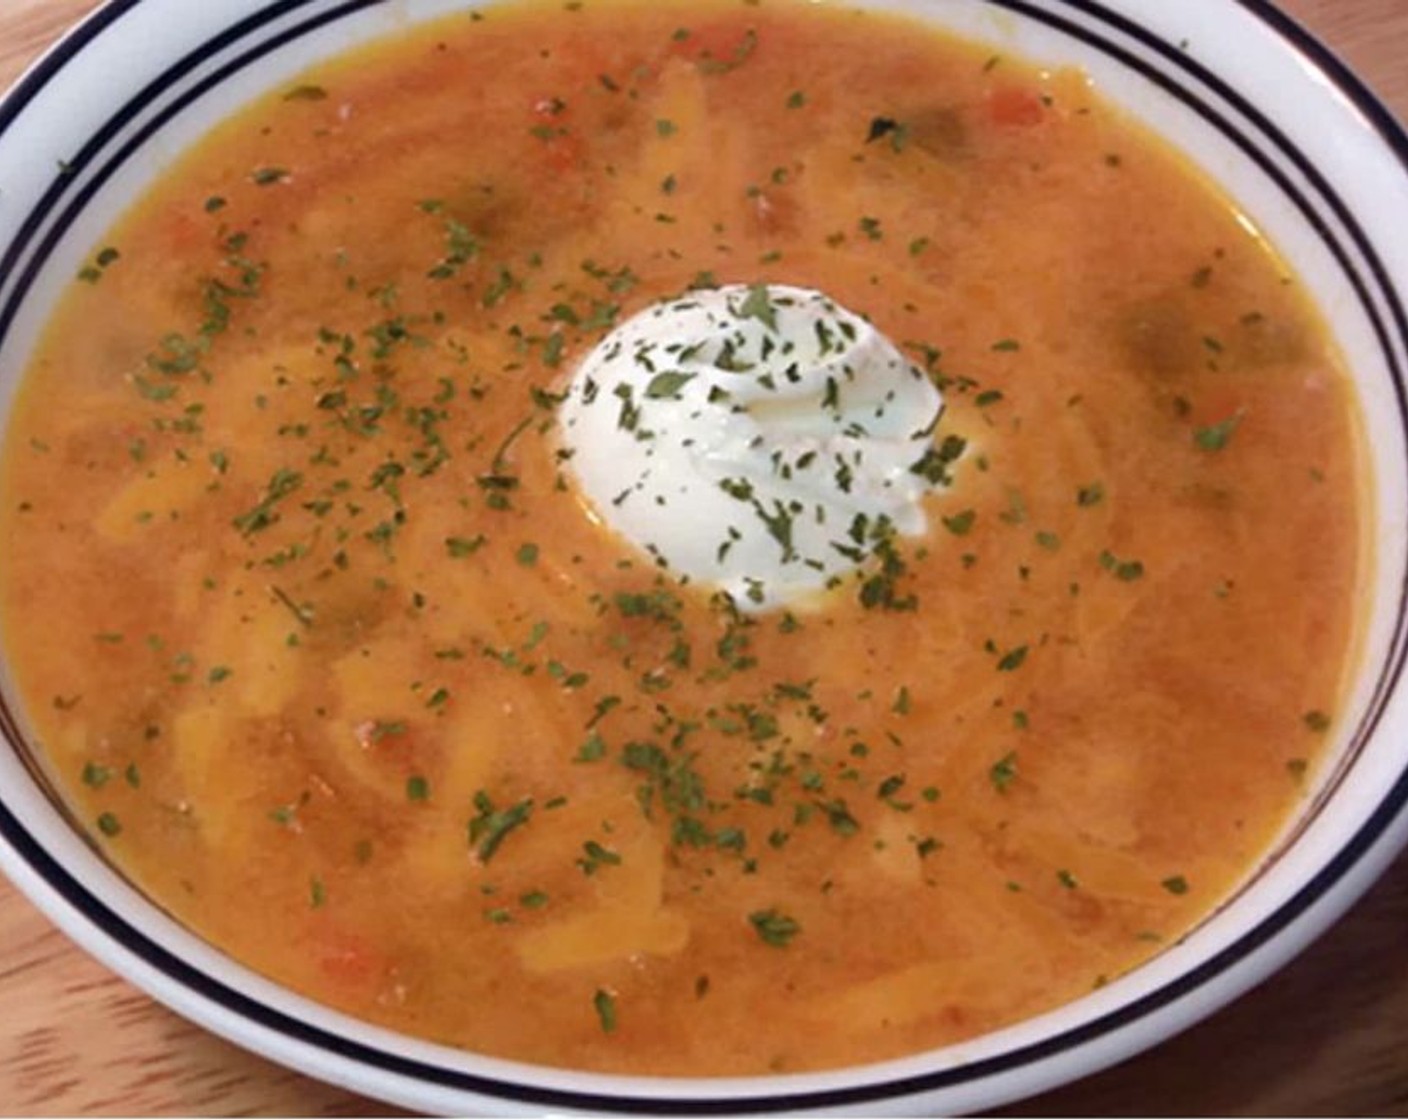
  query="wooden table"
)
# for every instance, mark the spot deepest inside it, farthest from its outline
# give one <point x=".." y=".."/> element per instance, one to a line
<point x="1328" y="1036"/>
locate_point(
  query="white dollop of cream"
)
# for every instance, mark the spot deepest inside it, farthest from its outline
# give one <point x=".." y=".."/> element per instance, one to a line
<point x="763" y="440"/>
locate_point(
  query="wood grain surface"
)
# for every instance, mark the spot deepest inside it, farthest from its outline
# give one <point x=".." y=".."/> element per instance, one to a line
<point x="1327" y="1036"/>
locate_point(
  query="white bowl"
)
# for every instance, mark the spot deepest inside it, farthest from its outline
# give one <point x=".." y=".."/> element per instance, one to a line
<point x="1275" y="119"/>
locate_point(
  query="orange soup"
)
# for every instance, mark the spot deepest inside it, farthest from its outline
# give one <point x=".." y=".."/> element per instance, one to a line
<point x="320" y="637"/>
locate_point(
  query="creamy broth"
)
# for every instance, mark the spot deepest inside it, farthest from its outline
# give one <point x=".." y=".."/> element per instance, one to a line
<point x="323" y="644"/>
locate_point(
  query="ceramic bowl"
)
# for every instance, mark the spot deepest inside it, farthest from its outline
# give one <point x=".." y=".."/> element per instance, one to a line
<point x="1284" y="127"/>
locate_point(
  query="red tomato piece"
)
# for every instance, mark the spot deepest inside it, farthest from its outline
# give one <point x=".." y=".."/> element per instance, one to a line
<point x="1015" y="107"/>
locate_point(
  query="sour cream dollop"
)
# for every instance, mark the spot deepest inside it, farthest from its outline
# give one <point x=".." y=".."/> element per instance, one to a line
<point x="763" y="440"/>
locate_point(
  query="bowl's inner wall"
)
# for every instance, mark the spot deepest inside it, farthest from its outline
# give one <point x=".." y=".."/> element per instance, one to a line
<point x="107" y="113"/>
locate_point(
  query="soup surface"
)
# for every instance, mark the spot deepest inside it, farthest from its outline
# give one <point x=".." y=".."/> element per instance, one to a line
<point x="320" y="639"/>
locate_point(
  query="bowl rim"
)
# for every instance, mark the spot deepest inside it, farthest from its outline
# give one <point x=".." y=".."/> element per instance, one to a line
<point x="1339" y="880"/>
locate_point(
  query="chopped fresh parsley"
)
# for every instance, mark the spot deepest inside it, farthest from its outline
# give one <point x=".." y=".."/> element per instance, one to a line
<point x="961" y="524"/>
<point x="267" y="176"/>
<point x="1012" y="660"/>
<point x="306" y="93"/>
<point x="882" y="127"/>
<point x="1127" y="571"/>
<point x="596" y="857"/>
<point x="605" y="1004"/>
<point x="95" y="776"/>
<point x="758" y="305"/>
<point x="1004" y="772"/>
<point x="460" y="547"/>
<point x="491" y="825"/>
<point x="1217" y="436"/>
<point x="774" y="927"/>
<point x="666" y="386"/>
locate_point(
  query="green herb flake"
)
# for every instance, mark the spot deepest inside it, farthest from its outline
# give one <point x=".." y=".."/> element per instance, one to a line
<point x="1317" y="721"/>
<point x="95" y="776"/>
<point x="737" y="57"/>
<point x="1215" y="437"/>
<point x="961" y="524"/>
<point x="605" y="1004"/>
<point x="758" y="305"/>
<point x="593" y="750"/>
<point x="1091" y="495"/>
<point x="881" y="127"/>
<point x="666" y="386"/>
<point x="386" y="729"/>
<point x="460" y="547"/>
<point x="1126" y="571"/>
<point x="109" y="825"/>
<point x="417" y="788"/>
<point x="1175" y="884"/>
<point x="1004" y="772"/>
<point x="281" y="484"/>
<point x="596" y="856"/>
<point x="839" y="817"/>
<point x="1012" y="660"/>
<point x="491" y="825"/>
<point x="306" y="93"/>
<point x="268" y="176"/>
<point x="774" y="927"/>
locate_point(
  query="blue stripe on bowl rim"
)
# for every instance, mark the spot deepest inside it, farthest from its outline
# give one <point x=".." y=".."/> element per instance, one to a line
<point x="1089" y="22"/>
